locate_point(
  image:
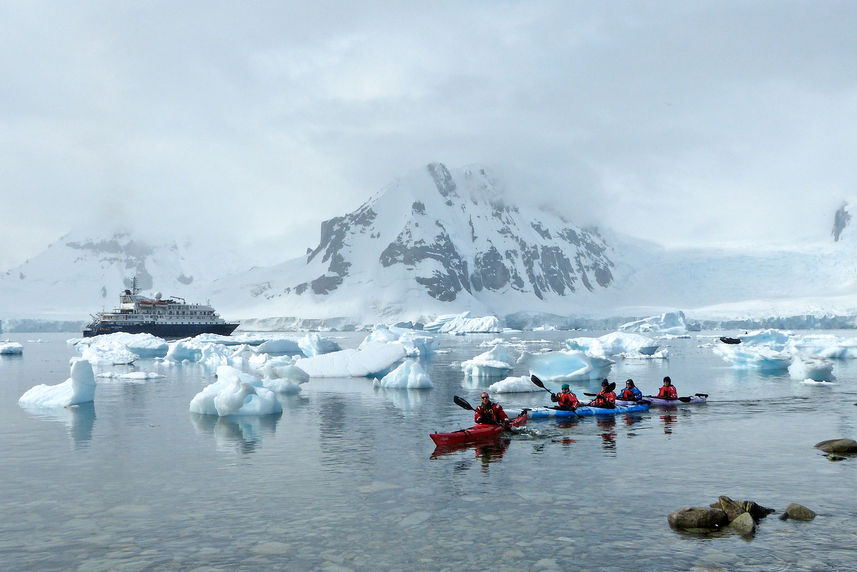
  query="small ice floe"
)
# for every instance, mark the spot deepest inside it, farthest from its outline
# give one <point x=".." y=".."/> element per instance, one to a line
<point x="209" y="354"/>
<point x="464" y="324"/>
<point x="819" y="383"/>
<point x="142" y="345"/>
<point x="284" y="378"/>
<point x="770" y="338"/>
<point x="131" y="375"/>
<point x="416" y="343"/>
<point x="279" y="346"/>
<point x="79" y="388"/>
<point x="668" y="323"/>
<point x="235" y="393"/>
<point x="11" y="349"/>
<point x="496" y="362"/>
<point x="409" y="375"/>
<point x="824" y="346"/>
<point x="514" y="385"/>
<point x="760" y="358"/>
<point x="615" y="344"/>
<point x="314" y="345"/>
<point x="569" y="365"/>
<point x="814" y="368"/>
<point x="371" y="360"/>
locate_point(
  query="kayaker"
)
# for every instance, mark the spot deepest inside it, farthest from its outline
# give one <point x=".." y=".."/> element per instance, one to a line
<point x="631" y="392"/>
<point x="667" y="390"/>
<point x="490" y="413"/>
<point x="566" y="399"/>
<point x="605" y="399"/>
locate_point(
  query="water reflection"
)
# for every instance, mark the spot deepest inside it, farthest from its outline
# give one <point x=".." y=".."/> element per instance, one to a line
<point x="607" y="425"/>
<point x="404" y="399"/>
<point x="242" y="433"/>
<point x="79" y="419"/>
<point x="487" y="451"/>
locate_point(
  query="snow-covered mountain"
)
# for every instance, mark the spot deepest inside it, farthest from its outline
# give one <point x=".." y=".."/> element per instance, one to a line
<point x="434" y="242"/>
<point x="442" y="241"/>
<point x="82" y="273"/>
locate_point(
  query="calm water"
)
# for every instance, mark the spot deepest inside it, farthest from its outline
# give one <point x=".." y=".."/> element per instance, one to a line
<point x="347" y="478"/>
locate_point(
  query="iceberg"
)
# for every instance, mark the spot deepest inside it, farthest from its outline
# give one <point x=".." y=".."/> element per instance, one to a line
<point x="131" y="375"/>
<point x="668" y="323"/>
<point x="496" y="362"/>
<point x="409" y="375"/>
<point x="417" y="344"/>
<point x="514" y="385"/>
<point x="210" y="354"/>
<point x="809" y="367"/>
<point x="142" y="345"/>
<point x="464" y="324"/>
<point x="568" y="365"/>
<point x="77" y="389"/>
<point x="313" y="345"/>
<point x="279" y="346"/>
<point x="11" y="349"/>
<point x="284" y="378"/>
<point x="614" y="344"/>
<point x="760" y="358"/>
<point x="371" y="360"/>
<point x="235" y="393"/>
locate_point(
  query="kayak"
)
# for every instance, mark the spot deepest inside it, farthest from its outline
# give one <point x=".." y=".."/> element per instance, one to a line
<point x="659" y="401"/>
<point x="475" y="433"/>
<point x="584" y="411"/>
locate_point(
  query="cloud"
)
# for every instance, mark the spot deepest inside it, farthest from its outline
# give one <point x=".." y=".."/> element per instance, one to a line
<point x="683" y="123"/>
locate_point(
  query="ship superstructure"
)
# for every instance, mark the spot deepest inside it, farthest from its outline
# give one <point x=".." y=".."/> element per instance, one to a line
<point x="167" y="318"/>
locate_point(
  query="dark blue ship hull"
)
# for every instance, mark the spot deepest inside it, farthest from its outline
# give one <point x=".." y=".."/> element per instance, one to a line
<point x="161" y="330"/>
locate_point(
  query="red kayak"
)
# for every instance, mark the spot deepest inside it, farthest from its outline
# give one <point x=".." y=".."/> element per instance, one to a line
<point x="475" y="433"/>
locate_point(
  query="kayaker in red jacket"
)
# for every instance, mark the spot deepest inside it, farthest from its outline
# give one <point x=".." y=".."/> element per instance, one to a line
<point x="667" y="390"/>
<point x="490" y="413"/>
<point x="631" y="392"/>
<point x="566" y="399"/>
<point x="605" y="399"/>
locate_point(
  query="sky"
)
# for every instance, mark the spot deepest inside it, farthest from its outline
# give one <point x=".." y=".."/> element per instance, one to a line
<point x="685" y="123"/>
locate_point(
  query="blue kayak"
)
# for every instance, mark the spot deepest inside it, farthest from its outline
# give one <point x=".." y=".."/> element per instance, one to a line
<point x="584" y="411"/>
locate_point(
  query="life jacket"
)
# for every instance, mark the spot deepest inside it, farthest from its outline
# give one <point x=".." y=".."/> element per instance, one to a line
<point x="567" y="400"/>
<point x="631" y="394"/>
<point x="492" y="415"/>
<point x="668" y="392"/>
<point x="605" y="399"/>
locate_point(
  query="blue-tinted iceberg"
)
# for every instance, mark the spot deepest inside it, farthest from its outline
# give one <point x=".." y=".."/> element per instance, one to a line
<point x="121" y="344"/>
<point x="409" y="375"/>
<point x="615" y="344"/>
<point x="314" y="345"/>
<point x="514" y="385"/>
<point x="417" y="344"/>
<point x="668" y="323"/>
<point x="79" y="388"/>
<point x="569" y="365"/>
<point x="496" y="362"/>
<point x="809" y="367"/>
<point x="370" y="360"/>
<point x="235" y="393"/>
<point x="11" y="348"/>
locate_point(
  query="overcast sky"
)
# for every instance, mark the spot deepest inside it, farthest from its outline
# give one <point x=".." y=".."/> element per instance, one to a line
<point x="684" y="122"/>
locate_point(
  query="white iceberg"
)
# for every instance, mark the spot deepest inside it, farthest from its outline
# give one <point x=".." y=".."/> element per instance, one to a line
<point x="464" y="324"/>
<point x="131" y="375"/>
<point x="371" y="360"/>
<point x="314" y="345"/>
<point x="417" y="344"/>
<point x="810" y="367"/>
<point x="569" y="365"/>
<point x="11" y="349"/>
<point x="409" y="375"/>
<point x="279" y="346"/>
<point x="79" y="388"/>
<point x="210" y="354"/>
<point x="142" y="345"/>
<point x="773" y="339"/>
<point x="824" y="346"/>
<point x="496" y="362"/>
<point x="760" y="358"/>
<point x="514" y="385"/>
<point x="284" y="378"/>
<point x="668" y="323"/>
<point x="235" y="393"/>
<point x="615" y="344"/>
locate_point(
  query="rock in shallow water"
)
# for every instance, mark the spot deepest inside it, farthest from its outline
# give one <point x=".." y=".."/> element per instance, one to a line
<point x="838" y="446"/>
<point x="697" y="517"/>
<point x="798" y="512"/>
<point x="743" y="524"/>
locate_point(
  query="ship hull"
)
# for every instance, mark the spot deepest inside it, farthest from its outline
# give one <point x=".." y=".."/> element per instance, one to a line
<point x="160" y="330"/>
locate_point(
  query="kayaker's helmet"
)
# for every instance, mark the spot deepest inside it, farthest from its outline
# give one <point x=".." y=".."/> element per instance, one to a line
<point x="564" y="386"/>
<point x="667" y="380"/>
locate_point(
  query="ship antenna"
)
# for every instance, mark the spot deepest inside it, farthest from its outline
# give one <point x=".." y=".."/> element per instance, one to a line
<point x="134" y="288"/>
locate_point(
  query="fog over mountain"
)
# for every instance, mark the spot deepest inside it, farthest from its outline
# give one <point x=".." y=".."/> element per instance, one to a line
<point x="439" y="241"/>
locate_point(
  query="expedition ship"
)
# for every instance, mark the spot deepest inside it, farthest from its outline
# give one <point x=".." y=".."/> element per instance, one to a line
<point x="169" y="318"/>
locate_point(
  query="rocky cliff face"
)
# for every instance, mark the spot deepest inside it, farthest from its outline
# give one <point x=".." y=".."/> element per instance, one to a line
<point x="452" y="236"/>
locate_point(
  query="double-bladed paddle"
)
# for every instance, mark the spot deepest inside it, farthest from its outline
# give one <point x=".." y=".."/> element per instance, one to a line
<point x="539" y="383"/>
<point x="461" y="402"/>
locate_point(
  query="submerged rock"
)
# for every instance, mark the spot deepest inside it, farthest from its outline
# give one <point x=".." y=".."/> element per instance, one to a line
<point x="698" y="518"/>
<point x="743" y="524"/>
<point x="838" y="446"/>
<point x="798" y="512"/>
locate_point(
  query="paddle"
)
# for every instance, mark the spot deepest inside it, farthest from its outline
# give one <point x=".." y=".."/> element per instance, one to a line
<point x="461" y="402"/>
<point x="539" y="383"/>
<point x="682" y="399"/>
<point x="701" y="395"/>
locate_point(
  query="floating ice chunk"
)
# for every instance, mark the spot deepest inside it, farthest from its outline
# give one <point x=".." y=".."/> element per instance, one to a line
<point x="371" y="360"/>
<point x="566" y="365"/>
<point x="615" y="344"/>
<point x="754" y="357"/>
<point x="279" y="346"/>
<point x="417" y="344"/>
<point x="464" y="324"/>
<point x="142" y="345"/>
<point x="824" y="346"/>
<point x="284" y="378"/>
<point x="808" y="367"/>
<point x="496" y="362"/>
<point x="314" y="345"/>
<point x="409" y="375"/>
<point x="235" y="393"/>
<point x="773" y="339"/>
<point x="198" y="350"/>
<point x="131" y="375"/>
<point x="79" y="388"/>
<point x="11" y="349"/>
<point x="514" y="385"/>
<point x="673" y="323"/>
<point x="104" y="354"/>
